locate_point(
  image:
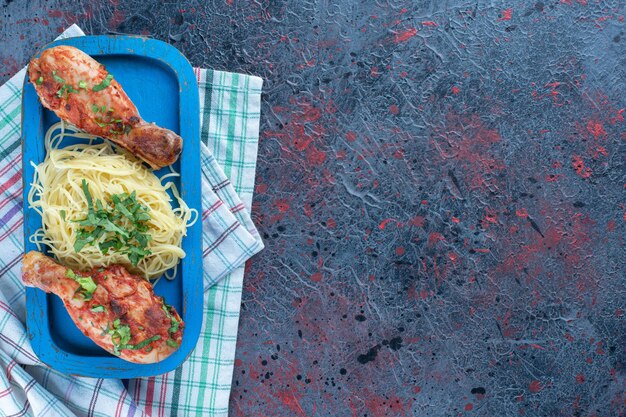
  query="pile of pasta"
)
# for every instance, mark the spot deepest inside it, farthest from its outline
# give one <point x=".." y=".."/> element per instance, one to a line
<point x="58" y="195"/>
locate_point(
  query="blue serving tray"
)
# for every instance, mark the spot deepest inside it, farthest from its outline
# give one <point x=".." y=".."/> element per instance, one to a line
<point x="161" y="83"/>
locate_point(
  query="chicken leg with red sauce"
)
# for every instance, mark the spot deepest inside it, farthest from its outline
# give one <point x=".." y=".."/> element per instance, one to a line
<point x="81" y="91"/>
<point x="115" y="309"/>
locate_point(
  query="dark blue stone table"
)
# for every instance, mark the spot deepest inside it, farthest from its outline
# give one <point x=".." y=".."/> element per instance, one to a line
<point x="441" y="192"/>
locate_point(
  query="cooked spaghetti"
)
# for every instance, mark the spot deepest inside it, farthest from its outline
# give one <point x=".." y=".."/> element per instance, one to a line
<point x="58" y="195"/>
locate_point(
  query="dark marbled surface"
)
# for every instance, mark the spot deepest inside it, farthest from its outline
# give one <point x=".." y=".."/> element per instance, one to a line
<point x="440" y="188"/>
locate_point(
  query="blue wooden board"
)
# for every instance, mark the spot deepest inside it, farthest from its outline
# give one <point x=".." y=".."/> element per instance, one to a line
<point x="161" y="83"/>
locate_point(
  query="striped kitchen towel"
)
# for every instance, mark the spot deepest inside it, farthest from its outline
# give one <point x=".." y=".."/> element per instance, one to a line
<point x="230" y="111"/>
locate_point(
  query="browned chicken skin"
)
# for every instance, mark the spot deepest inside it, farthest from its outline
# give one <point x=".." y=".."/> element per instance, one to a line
<point x="81" y="91"/>
<point x="121" y="314"/>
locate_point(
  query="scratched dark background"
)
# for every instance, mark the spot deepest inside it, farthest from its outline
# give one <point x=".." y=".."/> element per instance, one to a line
<point x="440" y="188"/>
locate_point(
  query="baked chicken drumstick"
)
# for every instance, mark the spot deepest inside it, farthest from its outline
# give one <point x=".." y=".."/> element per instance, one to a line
<point x="81" y="91"/>
<point x="115" y="309"/>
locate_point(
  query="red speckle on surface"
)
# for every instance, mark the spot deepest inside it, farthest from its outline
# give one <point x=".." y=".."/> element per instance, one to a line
<point x="611" y="225"/>
<point x="311" y="113"/>
<point x="467" y="140"/>
<point x="618" y="117"/>
<point x="430" y="23"/>
<point x="491" y="216"/>
<point x="308" y="211"/>
<point x="350" y="136"/>
<point x="535" y="386"/>
<point x="399" y="154"/>
<point x="289" y="399"/>
<point x="580" y="168"/>
<point x="315" y="156"/>
<point x="260" y="188"/>
<point x="394" y="109"/>
<point x="435" y="237"/>
<point x="521" y="213"/>
<point x="55" y="13"/>
<point x="10" y="66"/>
<point x="455" y="90"/>
<point x="553" y="177"/>
<point x="417" y="390"/>
<point x="507" y="14"/>
<point x="384" y="223"/>
<point x="117" y="18"/>
<point x="382" y="406"/>
<point x="596" y="129"/>
<point x="238" y="362"/>
<point x="600" y="150"/>
<point x="301" y="142"/>
<point x="316" y="277"/>
<point x="304" y="129"/>
<point x="400" y="250"/>
<point x="282" y="205"/>
<point x="331" y="223"/>
<point x="417" y="221"/>
<point x="405" y="35"/>
<point x="469" y="407"/>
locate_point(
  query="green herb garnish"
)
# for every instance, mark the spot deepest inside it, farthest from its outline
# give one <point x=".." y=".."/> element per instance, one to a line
<point x="57" y="78"/>
<point x="107" y="119"/>
<point x="119" y="225"/>
<point x="87" y="284"/>
<point x="39" y="81"/>
<point x="82" y="84"/>
<point x="143" y="343"/>
<point x="98" y="309"/>
<point x="120" y="336"/>
<point x="100" y="109"/>
<point x="174" y="325"/>
<point x="66" y="89"/>
<point x="104" y="84"/>
<point x="172" y="343"/>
